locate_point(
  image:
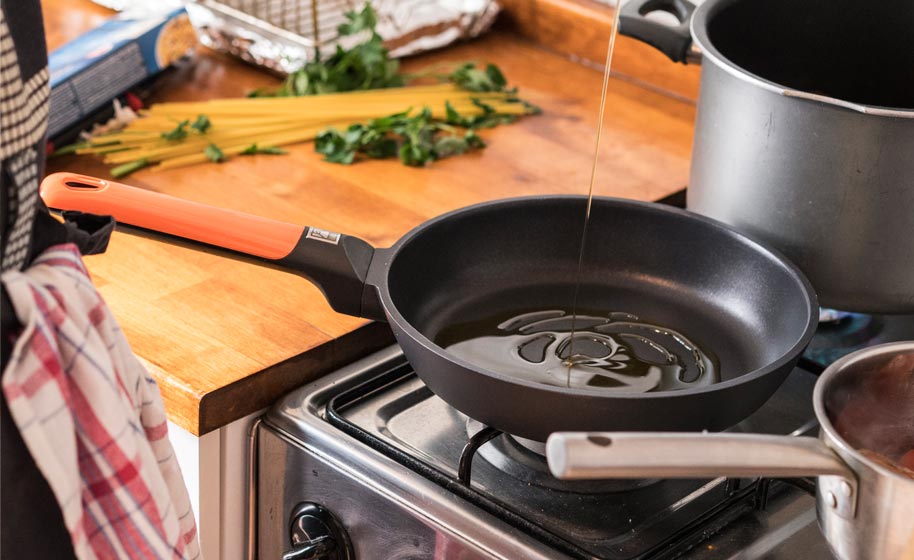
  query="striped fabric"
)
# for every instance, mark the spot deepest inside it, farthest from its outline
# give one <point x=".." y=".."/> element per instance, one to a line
<point x="23" y="197"/>
<point x="23" y="106"/>
<point x="93" y="418"/>
<point x="23" y="123"/>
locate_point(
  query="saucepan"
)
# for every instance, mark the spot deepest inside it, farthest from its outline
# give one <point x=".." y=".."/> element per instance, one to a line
<point x="745" y="302"/>
<point x="804" y="133"/>
<point x="864" y="455"/>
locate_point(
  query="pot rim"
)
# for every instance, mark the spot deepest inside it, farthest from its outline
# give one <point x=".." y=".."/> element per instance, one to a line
<point x="699" y="30"/>
<point x="832" y="437"/>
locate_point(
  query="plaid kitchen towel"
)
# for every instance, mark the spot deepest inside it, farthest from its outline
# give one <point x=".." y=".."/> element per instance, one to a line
<point x="92" y="418"/>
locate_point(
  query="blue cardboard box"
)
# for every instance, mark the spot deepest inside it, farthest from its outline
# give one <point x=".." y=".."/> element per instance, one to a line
<point x="96" y="67"/>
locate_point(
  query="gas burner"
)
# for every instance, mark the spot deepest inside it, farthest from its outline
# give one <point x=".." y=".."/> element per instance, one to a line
<point x="850" y="332"/>
<point x="373" y="445"/>
<point x="831" y="316"/>
<point x="525" y="460"/>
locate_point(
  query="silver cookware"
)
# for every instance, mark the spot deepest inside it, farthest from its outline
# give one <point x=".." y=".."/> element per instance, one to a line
<point x="804" y="136"/>
<point x="865" y="509"/>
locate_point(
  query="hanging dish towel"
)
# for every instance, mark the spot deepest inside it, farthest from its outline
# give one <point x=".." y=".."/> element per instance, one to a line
<point x="93" y="418"/>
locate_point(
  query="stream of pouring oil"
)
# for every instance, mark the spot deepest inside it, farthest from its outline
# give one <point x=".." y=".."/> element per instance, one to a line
<point x="596" y="349"/>
<point x="572" y="357"/>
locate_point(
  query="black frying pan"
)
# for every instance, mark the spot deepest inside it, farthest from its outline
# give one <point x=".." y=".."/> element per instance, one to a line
<point x="753" y="309"/>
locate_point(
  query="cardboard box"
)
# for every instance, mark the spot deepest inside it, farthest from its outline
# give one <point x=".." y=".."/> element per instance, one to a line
<point x="96" y="67"/>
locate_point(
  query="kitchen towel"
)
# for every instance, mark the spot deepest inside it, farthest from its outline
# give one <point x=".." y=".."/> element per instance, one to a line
<point x="93" y="418"/>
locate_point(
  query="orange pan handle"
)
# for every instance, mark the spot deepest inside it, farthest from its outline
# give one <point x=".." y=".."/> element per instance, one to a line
<point x="336" y="263"/>
<point x="228" y="229"/>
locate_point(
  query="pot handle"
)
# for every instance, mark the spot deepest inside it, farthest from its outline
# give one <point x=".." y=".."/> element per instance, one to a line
<point x="673" y="41"/>
<point x="583" y="455"/>
<point x="336" y="263"/>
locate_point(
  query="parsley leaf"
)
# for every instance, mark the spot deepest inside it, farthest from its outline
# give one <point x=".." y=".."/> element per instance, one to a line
<point x="450" y="145"/>
<point x="334" y="147"/>
<point x="201" y="125"/>
<point x="452" y="116"/>
<point x="468" y="77"/>
<point x="366" y="20"/>
<point x="178" y="133"/>
<point x="489" y="118"/>
<point x="214" y="153"/>
<point x="473" y="140"/>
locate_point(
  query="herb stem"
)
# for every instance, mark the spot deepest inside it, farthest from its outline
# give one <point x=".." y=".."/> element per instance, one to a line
<point x="128" y="168"/>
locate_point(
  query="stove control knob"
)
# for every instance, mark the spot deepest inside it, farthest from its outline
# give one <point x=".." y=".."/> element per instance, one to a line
<point x="317" y="534"/>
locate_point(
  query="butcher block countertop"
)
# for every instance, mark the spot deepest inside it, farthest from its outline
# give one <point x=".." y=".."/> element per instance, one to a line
<point x="225" y="338"/>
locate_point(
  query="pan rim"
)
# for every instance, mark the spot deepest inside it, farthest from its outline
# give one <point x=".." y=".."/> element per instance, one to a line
<point x="395" y="318"/>
<point x="825" y="423"/>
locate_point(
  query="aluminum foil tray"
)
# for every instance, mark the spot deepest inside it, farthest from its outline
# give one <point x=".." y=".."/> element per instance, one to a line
<point x="284" y="34"/>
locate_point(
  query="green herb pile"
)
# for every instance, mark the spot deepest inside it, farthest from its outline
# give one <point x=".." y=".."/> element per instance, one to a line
<point x="420" y="127"/>
<point x="416" y="139"/>
<point x="366" y="65"/>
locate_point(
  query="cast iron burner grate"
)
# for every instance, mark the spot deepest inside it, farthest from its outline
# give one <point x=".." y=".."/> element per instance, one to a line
<point x="525" y="460"/>
<point x="339" y="403"/>
<point x="685" y="514"/>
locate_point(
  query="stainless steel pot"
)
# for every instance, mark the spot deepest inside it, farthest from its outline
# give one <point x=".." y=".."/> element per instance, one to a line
<point x="805" y="133"/>
<point x="866" y="511"/>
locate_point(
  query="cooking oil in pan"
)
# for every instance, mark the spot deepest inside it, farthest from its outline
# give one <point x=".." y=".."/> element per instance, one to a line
<point x="608" y="352"/>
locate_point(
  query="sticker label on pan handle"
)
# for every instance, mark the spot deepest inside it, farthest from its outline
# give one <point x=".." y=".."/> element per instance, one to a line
<point x="323" y="235"/>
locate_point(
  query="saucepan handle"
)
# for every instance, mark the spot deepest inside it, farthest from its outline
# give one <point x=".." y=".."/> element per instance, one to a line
<point x="336" y="263"/>
<point x="673" y="41"/>
<point x="588" y="455"/>
<point x="594" y="455"/>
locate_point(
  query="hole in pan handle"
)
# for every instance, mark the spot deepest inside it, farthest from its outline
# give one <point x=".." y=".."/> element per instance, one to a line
<point x="78" y="185"/>
<point x="336" y="263"/>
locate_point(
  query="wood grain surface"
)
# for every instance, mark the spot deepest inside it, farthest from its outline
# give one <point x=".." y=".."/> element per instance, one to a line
<point x="580" y="29"/>
<point x="226" y="338"/>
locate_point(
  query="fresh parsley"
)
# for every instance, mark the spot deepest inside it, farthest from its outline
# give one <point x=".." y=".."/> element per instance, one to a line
<point x="202" y="124"/>
<point x="213" y="153"/>
<point x="177" y="133"/>
<point x="357" y="22"/>
<point x="367" y="65"/>
<point x="416" y="139"/>
<point x="468" y="77"/>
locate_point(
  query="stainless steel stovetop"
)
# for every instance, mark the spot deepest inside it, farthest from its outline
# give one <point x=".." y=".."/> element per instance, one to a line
<point x="372" y="445"/>
<point x="367" y="463"/>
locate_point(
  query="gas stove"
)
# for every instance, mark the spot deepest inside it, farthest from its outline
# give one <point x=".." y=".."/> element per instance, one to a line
<point x="367" y="463"/>
<point x="398" y="473"/>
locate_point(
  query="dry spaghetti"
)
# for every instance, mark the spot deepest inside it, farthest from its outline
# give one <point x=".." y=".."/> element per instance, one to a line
<point x="169" y="135"/>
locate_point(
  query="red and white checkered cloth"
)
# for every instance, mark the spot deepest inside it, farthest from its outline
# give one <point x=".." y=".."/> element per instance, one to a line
<point x="93" y="418"/>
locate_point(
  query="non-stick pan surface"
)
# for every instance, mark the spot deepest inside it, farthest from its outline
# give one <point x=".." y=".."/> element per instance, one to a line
<point x="742" y="301"/>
